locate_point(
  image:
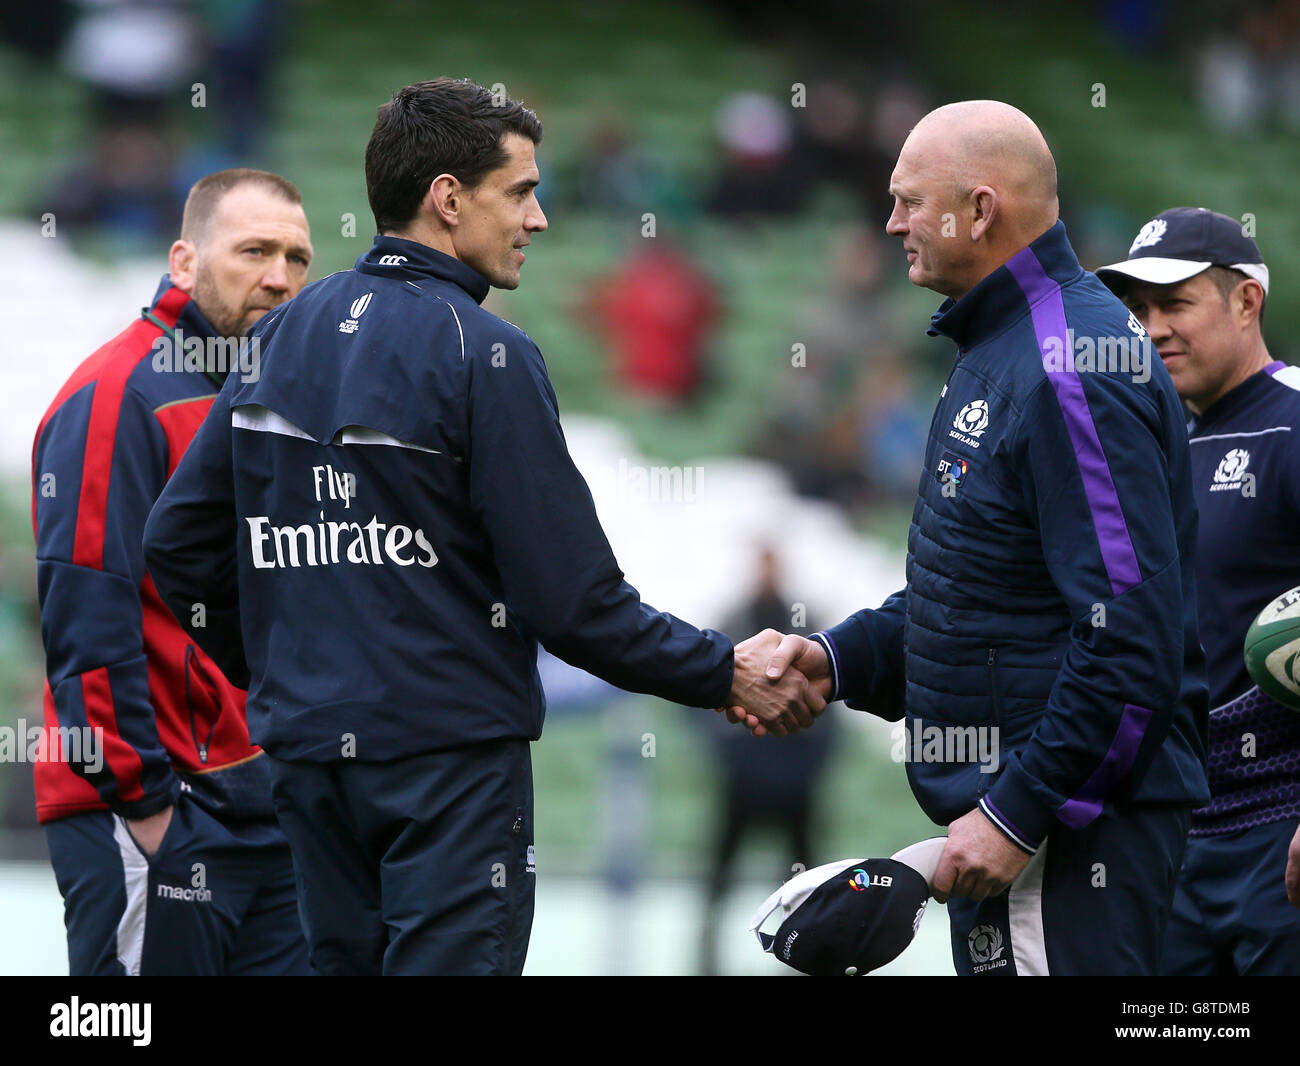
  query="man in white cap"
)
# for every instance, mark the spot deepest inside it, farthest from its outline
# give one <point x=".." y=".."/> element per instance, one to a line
<point x="1196" y="280"/>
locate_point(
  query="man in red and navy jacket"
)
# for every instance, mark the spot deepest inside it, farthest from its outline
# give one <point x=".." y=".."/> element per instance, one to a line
<point x="160" y="825"/>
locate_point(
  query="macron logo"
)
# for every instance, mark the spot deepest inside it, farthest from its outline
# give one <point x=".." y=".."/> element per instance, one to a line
<point x="358" y="308"/>
<point x="189" y="895"/>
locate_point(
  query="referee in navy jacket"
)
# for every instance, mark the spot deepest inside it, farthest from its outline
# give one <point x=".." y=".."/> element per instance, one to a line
<point x="382" y="528"/>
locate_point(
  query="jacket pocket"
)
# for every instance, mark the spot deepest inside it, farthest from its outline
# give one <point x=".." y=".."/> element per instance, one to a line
<point x="165" y="842"/>
<point x="995" y="702"/>
<point x="200" y="702"/>
<point x="995" y="697"/>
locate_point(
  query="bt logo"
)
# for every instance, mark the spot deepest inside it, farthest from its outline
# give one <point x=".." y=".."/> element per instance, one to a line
<point x="861" y="880"/>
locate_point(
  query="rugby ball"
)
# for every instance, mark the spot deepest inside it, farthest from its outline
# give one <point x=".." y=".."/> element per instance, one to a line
<point x="1273" y="649"/>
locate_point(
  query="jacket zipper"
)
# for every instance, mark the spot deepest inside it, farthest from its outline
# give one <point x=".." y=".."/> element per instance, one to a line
<point x="997" y="715"/>
<point x="993" y="688"/>
<point x="202" y="748"/>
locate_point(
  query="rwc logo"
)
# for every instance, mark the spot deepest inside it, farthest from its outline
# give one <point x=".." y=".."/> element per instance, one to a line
<point x="358" y="308"/>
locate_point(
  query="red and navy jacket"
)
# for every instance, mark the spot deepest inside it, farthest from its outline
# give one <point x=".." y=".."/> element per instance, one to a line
<point x="117" y="662"/>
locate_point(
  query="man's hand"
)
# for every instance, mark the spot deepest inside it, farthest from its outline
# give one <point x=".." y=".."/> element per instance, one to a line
<point x="806" y="656"/>
<point x="1293" y="870"/>
<point x="780" y="653"/>
<point x="978" y="861"/>
<point x="769" y="698"/>
<point x="149" y="832"/>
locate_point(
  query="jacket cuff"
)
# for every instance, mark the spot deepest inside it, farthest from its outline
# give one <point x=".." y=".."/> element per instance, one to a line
<point x="831" y="654"/>
<point x="853" y="662"/>
<point x="151" y="804"/>
<point x="1013" y="808"/>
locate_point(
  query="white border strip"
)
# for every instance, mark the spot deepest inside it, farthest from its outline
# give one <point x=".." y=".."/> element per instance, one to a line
<point x="135" y="873"/>
<point x="263" y="420"/>
<point x="1256" y="433"/>
<point x="829" y="645"/>
<point x="364" y="435"/>
<point x="1011" y="834"/>
<point x="458" y="327"/>
<point x="1025" y="919"/>
<point x="1289" y="376"/>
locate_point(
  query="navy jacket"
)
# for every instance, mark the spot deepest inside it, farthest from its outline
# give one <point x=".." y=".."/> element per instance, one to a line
<point x="1050" y="567"/>
<point x="387" y="521"/>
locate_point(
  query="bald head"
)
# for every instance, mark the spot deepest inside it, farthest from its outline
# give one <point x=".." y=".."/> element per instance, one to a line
<point x="987" y="142"/>
<point x="985" y="172"/>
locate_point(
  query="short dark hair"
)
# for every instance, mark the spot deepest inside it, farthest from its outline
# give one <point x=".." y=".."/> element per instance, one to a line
<point x="1226" y="280"/>
<point x="207" y="193"/>
<point x="445" y="126"/>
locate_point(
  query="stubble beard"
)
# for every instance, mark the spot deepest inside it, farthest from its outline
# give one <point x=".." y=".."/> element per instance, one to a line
<point x="226" y="320"/>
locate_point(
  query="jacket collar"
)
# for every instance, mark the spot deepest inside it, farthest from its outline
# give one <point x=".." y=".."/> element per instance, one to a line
<point x="996" y="301"/>
<point x="174" y="308"/>
<point x="415" y="261"/>
<point x="174" y="312"/>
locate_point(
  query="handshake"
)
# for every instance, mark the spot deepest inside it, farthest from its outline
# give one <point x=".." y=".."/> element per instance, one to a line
<point x="781" y="683"/>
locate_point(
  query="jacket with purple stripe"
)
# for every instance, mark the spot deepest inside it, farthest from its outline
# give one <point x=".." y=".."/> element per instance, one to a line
<point x="1050" y="570"/>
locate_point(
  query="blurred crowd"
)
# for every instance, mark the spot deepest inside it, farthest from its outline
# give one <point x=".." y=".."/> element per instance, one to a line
<point x="849" y="423"/>
<point x="146" y="67"/>
<point x="1243" y="57"/>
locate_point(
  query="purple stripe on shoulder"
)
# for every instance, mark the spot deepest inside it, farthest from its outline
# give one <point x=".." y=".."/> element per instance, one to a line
<point x="1085" y="805"/>
<point x="1274" y="367"/>
<point x="1048" y="313"/>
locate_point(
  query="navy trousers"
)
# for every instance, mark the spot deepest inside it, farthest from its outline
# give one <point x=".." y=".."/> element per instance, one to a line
<point x="421" y="865"/>
<point x="217" y="897"/>
<point x="1091" y="902"/>
<point x="1231" y="915"/>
